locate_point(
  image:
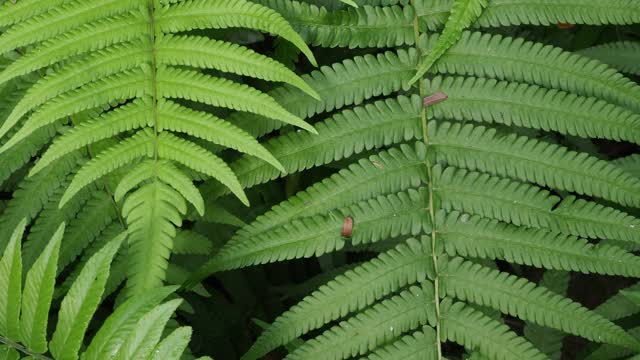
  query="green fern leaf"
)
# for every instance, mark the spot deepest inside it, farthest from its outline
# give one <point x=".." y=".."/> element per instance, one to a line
<point x="524" y="204"/>
<point x="206" y="14"/>
<point x="537" y="12"/>
<point x="68" y="16"/>
<point x="11" y="285"/>
<point x="513" y="104"/>
<point x="417" y="346"/>
<point x="353" y="131"/>
<point x="488" y="150"/>
<point x="205" y="53"/>
<point x="488" y="239"/>
<point x="8" y="353"/>
<point x="374" y="220"/>
<point x="145" y="335"/>
<point x="375" y="326"/>
<point x="138" y="146"/>
<point x="81" y="302"/>
<point x="151" y="233"/>
<point x="353" y="291"/>
<point x="392" y="171"/>
<point x="97" y="213"/>
<point x="518" y="297"/>
<point x="622" y="55"/>
<point x="24" y="10"/>
<point x="166" y="172"/>
<point x="517" y="60"/>
<point x="36" y="298"/>
<point x="32" y="195"/>
<point x="172" y="347"/>
<point x="548" y="340"/>
<point x="463" y="13"/>
<point x="119" y="326"/>
<point x="474" y="330"/>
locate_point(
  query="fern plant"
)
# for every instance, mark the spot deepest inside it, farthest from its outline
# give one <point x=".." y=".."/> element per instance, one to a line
<point x="128" y="76"/>
<point x="133" y="331"/>
<point x="455" y="185"/>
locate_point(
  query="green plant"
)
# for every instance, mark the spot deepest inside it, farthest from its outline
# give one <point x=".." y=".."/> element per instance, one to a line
<point x="451" y="156"/>
<point x="476" y="181"/>
<point x="133" y="331"/>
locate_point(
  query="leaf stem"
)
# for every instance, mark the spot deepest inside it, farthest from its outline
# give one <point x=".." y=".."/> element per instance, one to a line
<point x="432" y="216"/>
<point x="22" y="349"/>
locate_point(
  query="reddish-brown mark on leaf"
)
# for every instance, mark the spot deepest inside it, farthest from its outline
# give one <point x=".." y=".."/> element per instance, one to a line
<point x="347" y="227"/>
<point x="434" y="99"/>
<point x="564" y="26"/>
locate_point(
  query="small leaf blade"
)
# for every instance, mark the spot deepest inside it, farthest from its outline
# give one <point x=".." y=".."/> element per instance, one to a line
<point x="37" y="295"/>
<point x="11" y="284"/>
<point x="81" y="302"/>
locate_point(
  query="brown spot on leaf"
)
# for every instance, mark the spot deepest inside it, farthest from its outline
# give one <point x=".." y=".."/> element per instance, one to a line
<point x="347" y="227"/>
<point x="434" y="99"/>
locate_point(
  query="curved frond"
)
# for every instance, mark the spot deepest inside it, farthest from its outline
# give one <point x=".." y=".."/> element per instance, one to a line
<point x="373" y="327"/>
<point x="622" y="55"/>
<point x="474" y="330"/>
<point x="519" y="297"/>
<point x="483" y="238"/>
<point x="352" y="291"/>
<point x="532" y="160"/>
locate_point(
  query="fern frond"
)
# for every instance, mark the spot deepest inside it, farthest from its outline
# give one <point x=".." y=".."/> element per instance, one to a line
<point x="166" y="172"/>
<point x="59" y="20"/>
<point x="119" y="326"/>
<point x="128" y="117"/>
<point x="363" y="27"/>
<point x="548" y="340"/>
<point x="11" y="284"/>
<point x="417" y="346"/>
<point x="15" y="12"/>
<point x="392" y="171"/>
<point x="353" y="291"/>
<point x="33" y="194"/>
<point x="199" y="159"/>
<point x="202" y="52"/>
<point x="151" y="233"/>
<point x="147" y="332"/>
<point x="374" y="220"/>
<point x="532" y="160"/>
<point x="346" y="83"/>
<point x="524" y="204"/>
<point x="476" y="237"/>
<point x="212" y="14"/>
<point x="474" y="330"/>
<point x="177" y="118"/>
<point x="518" y="60"/>
<point x="137" y="146"/>
<point x="620" y="305"/>
<point x="36" y="298"/>
<point x="191" y="242"/>
<point x="107" y="62"/>
<point x="519" y="297"/>
<point x="78" y="41"/>
<point x="373" y="327"/>
<point x="372" y="126"/>
<point x="192" y="85"/>
<point x="81" y="302"/>
<point x="463" y="13"/>
<point x="622" y="55"/>
<point x="50" y="218"/>
<point x="102" y="92"/>
<point x="537" y="12"/>
<point x="172" y="347"/>
<point x="513" y="104"/>
<point x="97" y="213"/>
